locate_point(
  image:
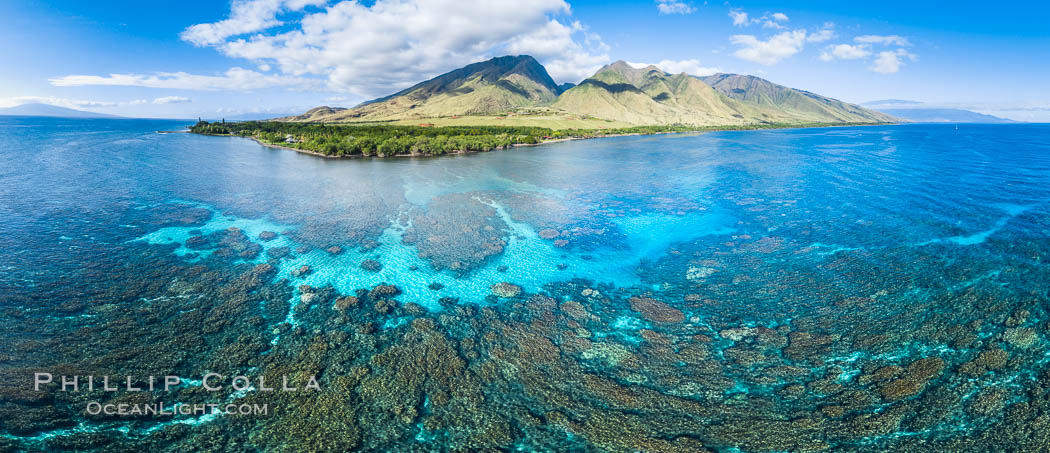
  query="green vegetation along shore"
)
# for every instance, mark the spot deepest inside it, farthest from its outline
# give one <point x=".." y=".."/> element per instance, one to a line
<point x="331" y="140"/>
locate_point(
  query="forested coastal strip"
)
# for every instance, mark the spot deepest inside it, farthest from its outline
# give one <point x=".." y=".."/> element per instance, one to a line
<point x="388" y="140"/>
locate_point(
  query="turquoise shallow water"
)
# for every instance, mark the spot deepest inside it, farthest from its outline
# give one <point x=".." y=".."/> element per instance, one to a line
<point x="527" y="260"/>
<point x="785" y="263"/>
<point x="634" y="197"/>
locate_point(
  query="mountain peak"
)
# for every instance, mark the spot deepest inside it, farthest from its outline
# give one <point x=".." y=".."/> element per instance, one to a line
<point x="623" y="66"/>
<point x="496" y="85"/>
<point x="630" y="73"/>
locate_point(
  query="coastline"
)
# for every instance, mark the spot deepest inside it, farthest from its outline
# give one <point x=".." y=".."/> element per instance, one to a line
<point x="458" y="152"/>
<point x="453" y="153"/>
<point x="544" y="142"/>
<point x="317" y="154"/>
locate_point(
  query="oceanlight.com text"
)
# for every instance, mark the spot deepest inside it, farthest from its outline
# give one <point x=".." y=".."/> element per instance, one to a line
<point x="161" y="409"/>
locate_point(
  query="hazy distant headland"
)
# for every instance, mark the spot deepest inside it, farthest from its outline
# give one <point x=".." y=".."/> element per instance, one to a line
<point x="919" y="112"/>
<point x="54" y="111"/>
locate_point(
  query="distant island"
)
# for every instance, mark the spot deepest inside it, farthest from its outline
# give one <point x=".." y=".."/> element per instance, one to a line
<point x="48" y="110"/>
<point x="512" y="100"/>
<point x="919" y="112"/>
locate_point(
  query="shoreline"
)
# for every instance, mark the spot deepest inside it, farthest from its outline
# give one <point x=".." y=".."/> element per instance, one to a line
<point x="515" y="145"/>
<point x="317" y="154"/>
<point x="452" y="153"/>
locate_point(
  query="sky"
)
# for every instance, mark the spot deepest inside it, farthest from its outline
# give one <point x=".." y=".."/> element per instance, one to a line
<point x="217" y="59"/>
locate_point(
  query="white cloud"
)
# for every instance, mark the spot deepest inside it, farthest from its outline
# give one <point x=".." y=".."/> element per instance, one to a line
<point x="233" y="79"/>
<point x="691" y="67"/>
<point x="846" y="52"/>
<point x="246" y="16"/>
<point x="172" y="100"/>
<point x="890" y="61"/>
<point x="884" y="61"/>
<point x="565" y="58"/>
<point x="674" y="7"/>
<point x="773" y="20"/>
<point x="374" y="49"/>
<point x="771" y="51"/>
<point x="740" y="18"/>
<point x="768" y="20"/>
<point x="884" y="40"/>
<point x="825" y="33"/>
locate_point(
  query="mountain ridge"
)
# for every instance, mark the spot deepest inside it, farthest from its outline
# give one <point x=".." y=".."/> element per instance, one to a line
<point x="790" y="102"/>
<point x="617" y="93"/>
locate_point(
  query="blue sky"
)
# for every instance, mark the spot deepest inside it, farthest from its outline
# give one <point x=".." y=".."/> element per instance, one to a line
<point x="215" y="59"/>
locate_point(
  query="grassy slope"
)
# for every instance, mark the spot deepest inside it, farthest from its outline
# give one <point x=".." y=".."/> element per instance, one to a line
<point x="698" y="99"/>
<point x="617" y="96"/>
<point x="787" y="104"/>
<point x="553" y="120"/>
<point x="648" y="96"/>
<point x="609" y="95"/>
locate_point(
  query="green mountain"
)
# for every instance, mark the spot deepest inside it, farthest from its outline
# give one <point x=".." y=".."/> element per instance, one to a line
<point x="316" y="114"/>
<point x="782" y="104"/>
<point x="498" y="85"/>
<point x="648" y="95"/>
<point x="617" y="94"/>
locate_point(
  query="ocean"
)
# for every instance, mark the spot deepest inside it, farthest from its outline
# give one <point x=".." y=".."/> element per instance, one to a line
<point x="850" y="288"/>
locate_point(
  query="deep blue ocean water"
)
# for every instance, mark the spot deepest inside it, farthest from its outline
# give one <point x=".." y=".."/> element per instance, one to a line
<point x="741" y="228"/>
